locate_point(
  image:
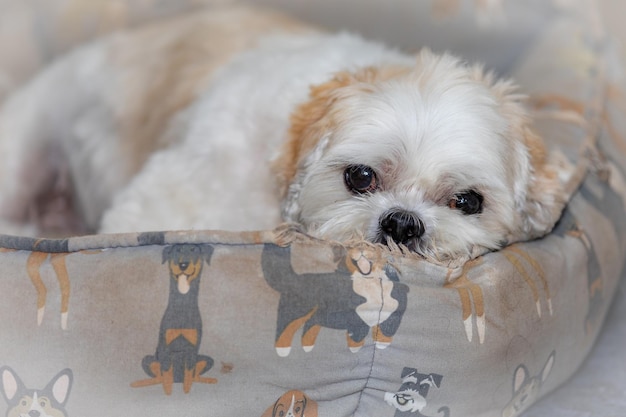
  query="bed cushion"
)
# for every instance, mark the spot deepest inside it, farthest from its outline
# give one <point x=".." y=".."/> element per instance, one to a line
<point x="268" y="321"/>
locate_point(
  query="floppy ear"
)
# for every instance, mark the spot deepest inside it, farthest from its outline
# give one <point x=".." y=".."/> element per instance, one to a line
<point x="311" y="408"/>
<point x="272" y="410"/>
<point x="167" y="251"/>
<point x="436" y="378"/>
<point x="308" y="124"/>
<point x="539" y="193"/>
<point x="311" y="124"/>
<point x="207" y="251"/>
<point x="545" y="198"/>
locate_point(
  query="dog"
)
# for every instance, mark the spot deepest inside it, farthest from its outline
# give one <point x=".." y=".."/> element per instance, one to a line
<point x="527" y="388"/>
<point x="410" y="399"/>
<point x="47" y="402"/>
<point x="177" y="358"/>
<point x="292" y="404"/>
<point x="240" y="118"/>
<point x="363" y="294"/>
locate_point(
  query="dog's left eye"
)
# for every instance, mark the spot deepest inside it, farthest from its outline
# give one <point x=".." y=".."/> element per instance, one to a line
<point x="360" y="179"/>
<point x="469" y="202"/>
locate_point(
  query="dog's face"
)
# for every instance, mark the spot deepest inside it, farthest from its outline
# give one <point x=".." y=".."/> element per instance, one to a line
<point x="24" y="402"/>
<point x="363" y="260"/>
<point x="292" y="404"/>
<point x="185" y="263"/>
<point x="412" y="394"/>
<point x="438" y="158"/>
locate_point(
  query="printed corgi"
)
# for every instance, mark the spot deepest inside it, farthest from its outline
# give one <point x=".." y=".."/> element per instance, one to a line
<point x="26" y="402"/>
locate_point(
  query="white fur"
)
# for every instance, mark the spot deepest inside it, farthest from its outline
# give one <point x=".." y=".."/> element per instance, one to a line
<point x="421" y="134"/>
<point x="245" y="114"/>
<point x="430" y="133"/>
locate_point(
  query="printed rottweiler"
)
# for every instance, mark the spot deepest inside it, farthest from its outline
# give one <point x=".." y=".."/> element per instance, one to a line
<point x="177" y="359"/>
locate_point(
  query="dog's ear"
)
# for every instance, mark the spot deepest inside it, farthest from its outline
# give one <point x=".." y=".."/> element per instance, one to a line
<point x="538" y="191"/>
<point x="309" y="124"/>
<point x="207" y="252"/>
<point x="547" y="368"/>
<point x="10" y="384"/>
<point x="436" y="378"/>
<point x="339" y="253"/>
<point x="60" y="386"/>
<point x="311" y="407"/>
<point x="542" y="205"/>
<point x="520" y="378"/>
<point x="167" y="253"/>
<point x="272" y="410"/>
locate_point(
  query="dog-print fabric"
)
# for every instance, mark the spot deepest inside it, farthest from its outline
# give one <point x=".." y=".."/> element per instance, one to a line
<point x="410" y="398"/>
<point x="177" y="358"/>
<point x="274" y="323"/>
<point x="46" y="402"/>
<point x="363" y="294"/>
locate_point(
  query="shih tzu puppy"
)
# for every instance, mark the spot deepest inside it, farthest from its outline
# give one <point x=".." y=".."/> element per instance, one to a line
<point x="239" y="119"/>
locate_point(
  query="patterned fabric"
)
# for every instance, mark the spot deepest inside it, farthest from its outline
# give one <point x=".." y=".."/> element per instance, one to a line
<point x="270" y="323"/>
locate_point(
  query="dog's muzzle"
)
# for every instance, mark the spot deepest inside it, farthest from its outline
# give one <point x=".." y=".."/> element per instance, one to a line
<point x="400" y="225"/>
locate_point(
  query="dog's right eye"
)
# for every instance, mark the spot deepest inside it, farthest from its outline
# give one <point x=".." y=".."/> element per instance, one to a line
<point x="360" y="179"/>
<point x="469" y="202"/>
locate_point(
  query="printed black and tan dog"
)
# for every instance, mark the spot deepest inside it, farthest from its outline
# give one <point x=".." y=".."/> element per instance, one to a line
<point x="177" y="358"/>
<point x="364" y="294"/>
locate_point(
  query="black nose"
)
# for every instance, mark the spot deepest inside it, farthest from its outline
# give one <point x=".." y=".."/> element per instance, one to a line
<point x="183" y="265"/>
<point x="401" y="225"/>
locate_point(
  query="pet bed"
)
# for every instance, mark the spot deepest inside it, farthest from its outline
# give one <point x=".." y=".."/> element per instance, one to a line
<point x="263" y="323"/>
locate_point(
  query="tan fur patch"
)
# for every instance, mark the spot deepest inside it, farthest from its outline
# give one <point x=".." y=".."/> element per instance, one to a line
<point x="545" y="196"/>
<point x="166" y="64"/>
<point x="314" y="118"/>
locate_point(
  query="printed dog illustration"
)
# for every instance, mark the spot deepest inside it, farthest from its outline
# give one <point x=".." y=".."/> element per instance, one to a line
<point x="177" y="359"/>
<point x="363" y="293"/>
<point x="292" y="404"/>
<point x="26" y="402"/>
<point x="33" y="266"/>
<point x="526" y="389"/>
<point x="410" y="399"/>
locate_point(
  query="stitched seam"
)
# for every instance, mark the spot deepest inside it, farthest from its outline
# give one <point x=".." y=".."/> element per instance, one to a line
<point x="376" y="329"/>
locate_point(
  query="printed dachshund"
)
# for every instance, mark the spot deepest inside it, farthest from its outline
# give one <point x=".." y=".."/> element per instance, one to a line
<point x="177" y="359"/>
<point x="363" y="293"/>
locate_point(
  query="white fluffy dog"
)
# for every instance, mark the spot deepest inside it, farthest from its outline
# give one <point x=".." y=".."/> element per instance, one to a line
<point x="240" y="118"/>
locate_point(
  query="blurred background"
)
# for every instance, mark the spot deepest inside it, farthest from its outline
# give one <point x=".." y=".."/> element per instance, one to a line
<point x="613" y="13"/>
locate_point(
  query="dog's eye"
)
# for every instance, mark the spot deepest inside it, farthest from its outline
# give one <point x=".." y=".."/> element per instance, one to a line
<point x="469" y="202"/>
<point x="360" y="179"/>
